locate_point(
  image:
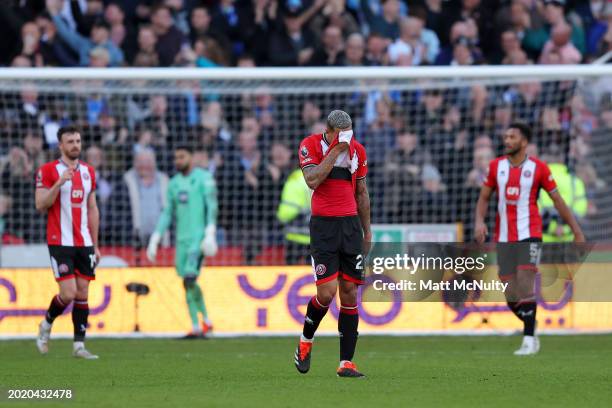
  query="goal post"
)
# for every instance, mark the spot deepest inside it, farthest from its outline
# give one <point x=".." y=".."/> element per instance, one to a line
<point x="429" y="133"/>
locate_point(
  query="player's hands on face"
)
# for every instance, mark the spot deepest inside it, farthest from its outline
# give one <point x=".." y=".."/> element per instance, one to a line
<point x="66" y="176"/>
<point x="480" y="232"/>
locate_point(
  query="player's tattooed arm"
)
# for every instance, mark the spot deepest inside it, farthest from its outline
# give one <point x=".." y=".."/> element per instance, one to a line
<point x="480" y="228"/>
<point x="567" y="216"/>
<point x="315" y="175"/>
<point x="363" y="209"/>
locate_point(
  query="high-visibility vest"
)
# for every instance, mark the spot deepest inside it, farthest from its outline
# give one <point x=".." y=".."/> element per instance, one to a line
<point x="294" y="208"/>
<point x="573" y="192"/>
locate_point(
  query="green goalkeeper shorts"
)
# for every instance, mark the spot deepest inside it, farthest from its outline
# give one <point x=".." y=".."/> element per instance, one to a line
<point x="188" y="258"/>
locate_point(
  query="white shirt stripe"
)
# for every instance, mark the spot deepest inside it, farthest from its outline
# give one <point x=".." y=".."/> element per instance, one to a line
<point x="522" y="211"/>
<point x="65" y="208"/>
<point x="503" y="174"/>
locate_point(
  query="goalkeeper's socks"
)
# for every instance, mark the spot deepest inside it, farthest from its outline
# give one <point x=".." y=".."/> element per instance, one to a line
<point x="56" y="308"/>
<point x="348" y="322"/>
<point x="199" y="300"/>
<point x="528" y="313"/>
<point x="314" y="314"/>
<point x="80" y="313"/>
<point x="514" y="307"/>
<point x="192" y="306"/>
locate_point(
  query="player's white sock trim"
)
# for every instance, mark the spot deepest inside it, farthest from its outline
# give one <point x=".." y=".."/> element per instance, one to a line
<point x="196" y="328"/>
<point x="343" y="361"/>
<point x="77" y="345"/>
<point x="46" y="325"/>
<point x="304" y="339"/>
<point x="319" y="303"/>
<point x="207" y="322"/>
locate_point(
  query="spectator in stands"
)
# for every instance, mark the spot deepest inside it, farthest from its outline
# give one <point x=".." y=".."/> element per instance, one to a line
<point x="427" y="37"/>
<point x="332" y="51"/>
<point x="271" y="176"/>
<point x="311" y="113"/>
<point x="558" y="49"/>
<point x="179" y="15"/>
<point x="464" y="33"/>
<point x="146" y="187"/>
<point x="199" y="23"/>
<point x="378" y="137"/>
<point x="146" y="55"/>
<point x="233" y="19"/>
<point x="157" y="119"/>
<point x="112" y="199"/>
<point x="482" y="158"/>
<point x="535" y="39"/>
<point x="33" y="147"/>
<point x="408" y="44"/>
<point x="403" y="168"/>
<point x="98" y="37"/>
<point x="16" y="177"/>
<point x="435" y="204"/>
<point x="334" y="13"/>
<point x="239" y="173"/>
<point x="30" y="111"/>
<point x="49" y="47"/>
<point x="510" y="45"/>
<point x="355" y="50"/>
<point x="21" y="61"/>
<point x="376" y="50"/>
<point x="209" y="53"/>
<point x="427" y="113"/>
<point x="84" y="21"/>
<point x="169" y="38"/>
<point x="122" y="35"/>
<point x="387" y="22"/>
<point x="291" y="42"/>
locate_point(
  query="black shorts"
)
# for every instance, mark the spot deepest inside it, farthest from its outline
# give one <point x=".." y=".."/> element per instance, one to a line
<point x="522" y="255"/>
<point x="68" y="262"/>
<point x="336" y="245"/>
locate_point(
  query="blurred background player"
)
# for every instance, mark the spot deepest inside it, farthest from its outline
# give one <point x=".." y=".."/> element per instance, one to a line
<point x="294" y="213"/>
<point x="192" y="200"/>
<point x="334" y="166"/>
<point x="518" y="178"/>
<point x="65" y="190"/>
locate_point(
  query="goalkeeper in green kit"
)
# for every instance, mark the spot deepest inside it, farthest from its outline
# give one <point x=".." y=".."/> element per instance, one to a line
<point x="192" y="200"/>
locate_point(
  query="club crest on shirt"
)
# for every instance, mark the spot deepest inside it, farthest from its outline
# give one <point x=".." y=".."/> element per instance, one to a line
<point x="320" y="269"/>
<point x="527" y="173"/>
<point x="304" y="151"/>
<point x="86" y="176"/>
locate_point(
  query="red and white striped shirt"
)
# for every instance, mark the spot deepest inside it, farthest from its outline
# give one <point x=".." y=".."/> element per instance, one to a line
<point x="67" y="221"/>
<point x="518" y="217"/>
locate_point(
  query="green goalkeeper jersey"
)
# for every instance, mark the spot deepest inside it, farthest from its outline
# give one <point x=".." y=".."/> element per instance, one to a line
<point x="192" y="199"/>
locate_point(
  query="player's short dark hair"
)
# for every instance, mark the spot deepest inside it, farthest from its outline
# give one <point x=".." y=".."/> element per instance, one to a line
<point x="64" y="130"/>
<point x="523" y="128"/>
<point x="184" y="146"/>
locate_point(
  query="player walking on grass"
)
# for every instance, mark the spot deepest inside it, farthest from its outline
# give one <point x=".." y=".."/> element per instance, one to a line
<point x="65" y="191"/>
<point x="192" y="200"/>
<point x="518" y="178"/>
<point x="335" y="166"/>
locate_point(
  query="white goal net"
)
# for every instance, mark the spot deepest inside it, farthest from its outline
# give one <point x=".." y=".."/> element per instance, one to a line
<point x="429" y="134"/>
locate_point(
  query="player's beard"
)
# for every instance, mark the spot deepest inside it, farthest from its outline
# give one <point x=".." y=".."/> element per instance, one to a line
<point x="512" y="151"/>
<point x="73" y="154"/>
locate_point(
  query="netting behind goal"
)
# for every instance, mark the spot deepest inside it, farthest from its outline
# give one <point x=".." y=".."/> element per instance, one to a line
<point x="428" y="139"/>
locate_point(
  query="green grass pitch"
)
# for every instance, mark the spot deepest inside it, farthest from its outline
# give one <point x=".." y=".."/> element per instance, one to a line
<point x="247" y="372"/>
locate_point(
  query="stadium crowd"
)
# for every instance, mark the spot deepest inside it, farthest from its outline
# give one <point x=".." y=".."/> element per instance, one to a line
<point x="209" y="33"/>
<point x="428" y="149"/>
